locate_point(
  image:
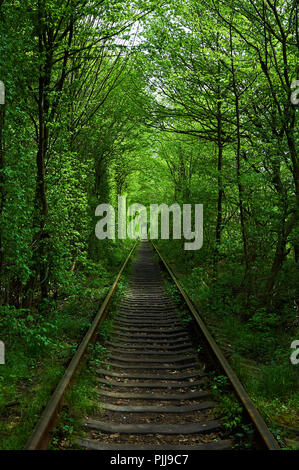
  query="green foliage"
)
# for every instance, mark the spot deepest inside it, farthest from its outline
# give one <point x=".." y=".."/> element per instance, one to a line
<point x="279" y="380"/>
<point x="232" y="412"/>
<point x="220" y="383"/>
<point x="189" y="106"/>
<point x="264" y="321"/>
<point x="63" y="434"/>
<point x="106" y="329"/>
<point x="36" y="332"/>
<point x="97" y="356"/>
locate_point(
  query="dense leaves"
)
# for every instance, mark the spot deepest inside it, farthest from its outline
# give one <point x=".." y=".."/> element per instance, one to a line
<point x="192" y="101"/>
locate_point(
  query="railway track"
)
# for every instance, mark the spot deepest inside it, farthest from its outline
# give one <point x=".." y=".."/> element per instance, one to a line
<point x="154" y="391"/>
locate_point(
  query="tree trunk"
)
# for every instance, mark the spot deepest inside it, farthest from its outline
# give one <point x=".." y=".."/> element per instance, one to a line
<point x="2" y="192"/>
<point x="40" y="259"/>
<point x="219" y="185"/>
<point x="278" y="260"/>
<point x="238" y="158"/>
<point x="294" y="158"/>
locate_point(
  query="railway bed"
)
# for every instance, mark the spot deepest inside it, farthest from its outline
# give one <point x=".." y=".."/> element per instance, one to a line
<point x="154" y="387"/>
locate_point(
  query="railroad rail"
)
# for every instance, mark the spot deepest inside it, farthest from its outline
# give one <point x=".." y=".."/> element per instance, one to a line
<point x="153" y="388"/>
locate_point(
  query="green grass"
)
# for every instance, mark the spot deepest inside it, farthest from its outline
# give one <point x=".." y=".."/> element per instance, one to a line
<point x="29" y="388"/>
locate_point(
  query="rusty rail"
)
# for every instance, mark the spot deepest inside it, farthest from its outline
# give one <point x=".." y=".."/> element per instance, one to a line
<point x="265" y="435"/>
<point x="40" y="436"/>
